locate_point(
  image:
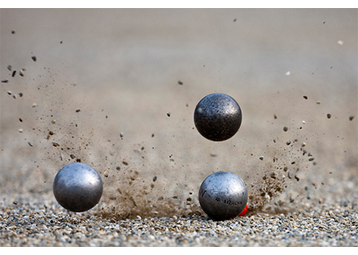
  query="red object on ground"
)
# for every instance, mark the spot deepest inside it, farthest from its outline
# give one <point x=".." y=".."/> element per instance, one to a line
<point x="244" y="211"/>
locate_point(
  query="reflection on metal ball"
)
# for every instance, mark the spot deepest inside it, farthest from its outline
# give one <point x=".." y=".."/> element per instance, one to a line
<point x="222" y="195"/>
<point x="77" y="187"/>
<point x="217" y="117"/>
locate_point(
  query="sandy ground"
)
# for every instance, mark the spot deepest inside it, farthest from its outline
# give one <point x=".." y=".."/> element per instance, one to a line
<point x="117" y="89"/>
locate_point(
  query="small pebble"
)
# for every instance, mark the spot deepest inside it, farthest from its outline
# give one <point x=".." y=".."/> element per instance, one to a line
<point x="261" y="157"/>
<point x="34" y="105"/>
<point x="351" y="118"/>
<point x="180" y="83"/>
<point x="21" y="72"/>
<point x="340" y="42"/>
<point x="318" y="102"/>
<point x="285" y="129"/>
<point x="34" y="58"/>
<point x="328" y="115"/>
<point x="305" y="97"/>
<point x="9" y="67"/>
<point x="78" y="110"/>
<point x="168" y="114"/>
<point x="13" y="73"/>
<point x="13" y="31"/>
<point x="5" y="81"/>
<point x="9" y="93"/>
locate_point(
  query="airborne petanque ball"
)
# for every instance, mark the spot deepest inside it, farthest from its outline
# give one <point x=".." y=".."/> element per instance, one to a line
<point x="77" y="187"/>
<point x="223" y="195"/>
<point x="217" y="117"/>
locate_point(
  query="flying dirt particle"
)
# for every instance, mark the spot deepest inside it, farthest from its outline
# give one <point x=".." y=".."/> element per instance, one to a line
<point x="106" y="174"/>
<point x="314" y="185"/>
<point x="296" y="177"/>
<point x="61" y="42"/>
<point x="34" y="105"/>
<point x="180" y="82"/>
<point x="13" y="73"/>
<point x="54" y="144"/>
<point x="351" y="118"/>
<point x="21" y="72"/>
<point x="72" y="156"/>
<point x="303" y="144"/>
<point x="288" y="143"/>
<point x="21" y="130"/>
<point x="155" y="178"/>
<point x="78" y="110"/>
<point x="34" y="58"/>
<point x="329" y="115"/>
<point x="14" y="96"/>
<point x="168" y="114"/>
<point x="275" y="116"/>
<point x="285" y="129"/>
<point x="21" y="94"/>
<point x="13" y="31"/>
<point x="30" y="144"/>
<point x="311" y="159"/>
<point x="118" y="168"/>
<point x="125" y="163"/>
<point x="305" y="97"/>
<point x="9" y="67"/>
<point x="152" y="135"/>
<point x="318" y="102"/>
<point x="340" y="42"/>
<point x="53" y="121"/>
<point x="121" y="135"/>
<point x="234" y="20"/>
<point x="20" y="119"/>
<point x="5" y="81"/>
<point x="9" y="93"/>
<point x="261" y="157"/>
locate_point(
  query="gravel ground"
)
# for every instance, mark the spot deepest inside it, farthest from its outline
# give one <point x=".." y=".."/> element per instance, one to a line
<point x="117" y="89"/>
<point x="45" y="224"/>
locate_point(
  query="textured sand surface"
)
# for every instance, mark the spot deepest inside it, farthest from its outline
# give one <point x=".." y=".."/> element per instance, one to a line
<point x="117" y="89"/>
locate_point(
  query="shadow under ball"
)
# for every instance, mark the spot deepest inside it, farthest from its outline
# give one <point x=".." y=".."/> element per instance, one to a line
<point x="77" y="187"/>
<point x="223" y="195"/>
<point x="217" y="117"/>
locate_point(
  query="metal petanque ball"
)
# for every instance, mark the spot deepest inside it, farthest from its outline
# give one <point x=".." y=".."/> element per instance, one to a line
<point x="222" y="195"/>
<point x="217" y="117"/>
<point x="78" y="187"/>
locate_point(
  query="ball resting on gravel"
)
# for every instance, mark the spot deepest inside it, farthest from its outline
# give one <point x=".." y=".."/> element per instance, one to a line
<point x="77" y="187"/>
<point x="217" y="117"/>
<point x="222" y="195"/>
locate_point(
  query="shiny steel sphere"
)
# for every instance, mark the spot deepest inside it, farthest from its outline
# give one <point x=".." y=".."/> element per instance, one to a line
<point x="77" y="187"/>
<point x="217" y="117"/>
<point x="222" y="195"/>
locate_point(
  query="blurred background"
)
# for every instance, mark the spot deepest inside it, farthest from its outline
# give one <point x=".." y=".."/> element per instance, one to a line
<point x="117" y="89"/>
